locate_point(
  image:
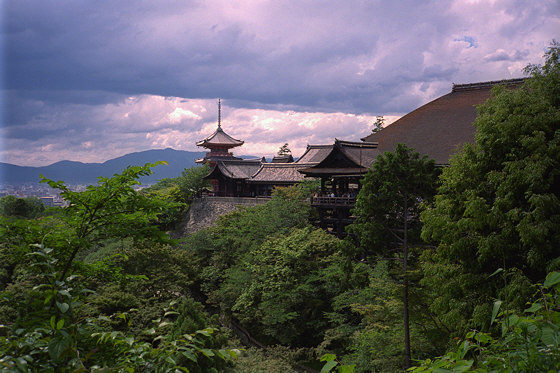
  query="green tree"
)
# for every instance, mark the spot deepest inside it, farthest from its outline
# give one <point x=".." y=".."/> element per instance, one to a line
<point x="63" y="326"/>
<point x="378" y="124"/>
<point x="284" y="150"/>
<point x="238" y="235"/>
<point x="499" y="202"/>
<point x="388" y="207"/>
<point x="289" y="287"/>
<point x="498" y="206"/>
<point x="21" y="207"/>
<point x="112" y="208"/>
<point x="529" y="341"/>
<point x="192" y="182"/>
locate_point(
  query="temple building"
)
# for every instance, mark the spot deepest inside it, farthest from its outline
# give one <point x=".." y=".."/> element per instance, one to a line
<point x="437" y="129"/>
<point x="231" y="176"/>
<point x="219" y="143"/>
<point x="340" y="171"/>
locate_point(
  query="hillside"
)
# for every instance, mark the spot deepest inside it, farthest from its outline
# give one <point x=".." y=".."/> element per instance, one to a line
<point x="86" y="173"/>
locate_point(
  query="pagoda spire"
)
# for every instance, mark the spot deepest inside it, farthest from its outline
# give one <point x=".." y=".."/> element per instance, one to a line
<point x="219" y="113"/>
<point x="219" y="143"/>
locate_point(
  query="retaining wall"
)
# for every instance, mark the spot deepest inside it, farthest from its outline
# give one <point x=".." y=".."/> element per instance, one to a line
<point x="206" y="210"/>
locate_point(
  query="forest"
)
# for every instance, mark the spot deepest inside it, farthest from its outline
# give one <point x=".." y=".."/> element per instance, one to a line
<point x="444" y="270"/>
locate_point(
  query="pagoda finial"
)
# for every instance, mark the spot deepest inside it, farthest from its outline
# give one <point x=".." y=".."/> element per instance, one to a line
<point x="219" y="113"/>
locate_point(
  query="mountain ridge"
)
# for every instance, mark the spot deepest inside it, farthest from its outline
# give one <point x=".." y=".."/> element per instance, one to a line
<point x="74" y="172"/>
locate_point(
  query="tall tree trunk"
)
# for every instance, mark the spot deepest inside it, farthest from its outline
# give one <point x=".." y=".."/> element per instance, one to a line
<point x="405" y="289"/>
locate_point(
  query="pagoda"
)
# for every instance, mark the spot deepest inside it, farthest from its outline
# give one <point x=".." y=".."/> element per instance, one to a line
<point x="219" y="143"/>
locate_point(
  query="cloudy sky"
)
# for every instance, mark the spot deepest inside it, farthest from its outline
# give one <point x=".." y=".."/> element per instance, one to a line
<point x="93" y="80"/>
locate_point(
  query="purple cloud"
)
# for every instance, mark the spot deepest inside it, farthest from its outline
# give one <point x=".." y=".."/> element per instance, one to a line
<point x="89" y="80"/>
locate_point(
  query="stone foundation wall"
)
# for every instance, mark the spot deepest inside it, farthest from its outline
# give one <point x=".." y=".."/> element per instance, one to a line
<point x="205" y="211"/>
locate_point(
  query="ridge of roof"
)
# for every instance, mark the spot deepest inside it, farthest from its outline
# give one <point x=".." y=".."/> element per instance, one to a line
<point x="356" y="144"/>
<point x="284" y="165"/>
<point x="320" y="146"/>
<point x="238" y="161"/>
<point x="485" y="85"/>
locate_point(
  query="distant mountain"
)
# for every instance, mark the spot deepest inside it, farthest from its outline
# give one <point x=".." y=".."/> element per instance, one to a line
<point x="87" y="173"/>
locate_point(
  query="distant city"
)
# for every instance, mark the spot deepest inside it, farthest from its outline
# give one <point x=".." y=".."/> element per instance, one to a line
<point x="47" y="195"/>
<point x="24" y="182"/>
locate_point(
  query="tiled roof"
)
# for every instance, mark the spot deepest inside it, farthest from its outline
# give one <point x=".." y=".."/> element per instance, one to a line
<point x="235" y="169"/>
<point x="315" y="153"/>
<point x="345" y="157"/>
<point x="279" y="173"/>
<point x="440" y="127"/>
<point x="283" y="158"/>
<point x="258" y="171"/>
<point x="361" y="153"/>
<point x="219" y="137"/>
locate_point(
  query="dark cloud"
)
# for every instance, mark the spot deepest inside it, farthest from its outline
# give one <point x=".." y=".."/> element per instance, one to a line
<point x="97" y="46"/>
<point x="99" y="71"/>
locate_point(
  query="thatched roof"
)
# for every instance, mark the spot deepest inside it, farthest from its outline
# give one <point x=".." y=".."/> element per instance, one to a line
<point x="440" y="127"/>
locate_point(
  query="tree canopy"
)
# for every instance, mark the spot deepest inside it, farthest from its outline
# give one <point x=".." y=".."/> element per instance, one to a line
<point x="499" y="202"/>
<point x="396" y="183"/>
<point x="21" y="207"/>
<point x="387" y="210"/>
<point x="284" y="150"/>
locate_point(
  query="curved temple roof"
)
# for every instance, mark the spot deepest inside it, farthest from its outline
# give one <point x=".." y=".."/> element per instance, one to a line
<point x="221" y="139"/>
<point x="440" y="127"/>
<point x="315" y="153"/>
<point x="235" y="169"/>
<point x="258" y="171"/>
<point x="344" y="158"/>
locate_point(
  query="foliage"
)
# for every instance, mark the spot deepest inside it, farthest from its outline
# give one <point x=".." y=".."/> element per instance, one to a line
<point x="499" y="205"/>
<point x="16" y="236"/>
<point x="255" y="360"/>
<point x="232" y="244"/>
<point x="112" y="208"/>
<point x="378" y="124"/>
<point x="387" y="210"/>
<point x="53" y="322"/>
<point x="239" y="234"/>
<point x="178" y="192"/>
<point x="288" y="287"/>
<point x="173" y="213"/>
<point x="284" y="150"/>
<point x="331" y="363"/>
<point x="192" y="182"/>
<point x="29" y="207"/>
<point x="529" y="342"/>
<point x="309" y="186"/>
<point x="57" y="337"/>
<point x="366" y="321"/>
<point x="396" y="184"/>
<point x="142" y="276"/>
